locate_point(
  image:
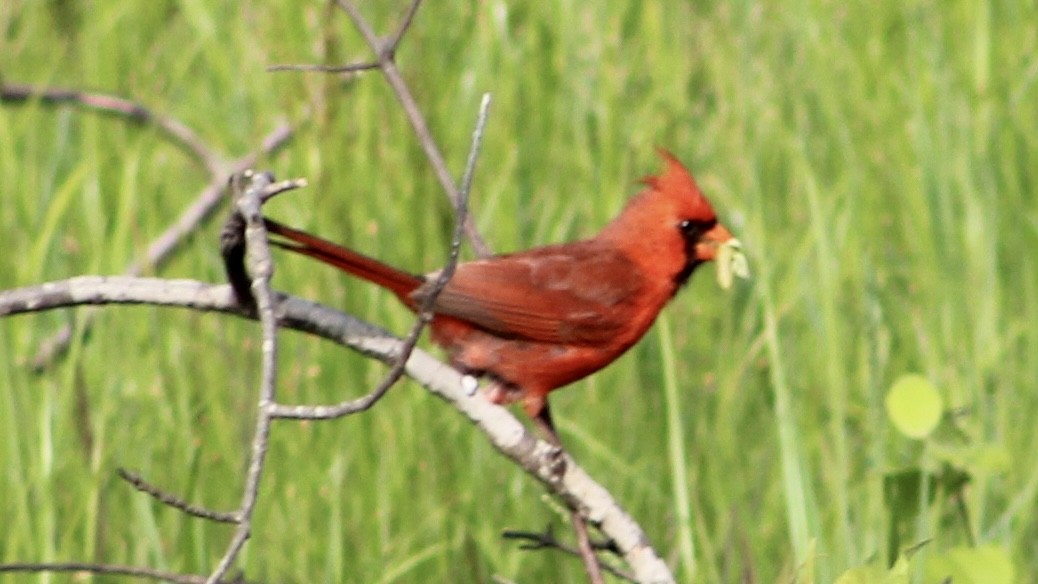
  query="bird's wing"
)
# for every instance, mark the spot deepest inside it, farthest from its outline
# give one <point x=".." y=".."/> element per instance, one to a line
<point x="573" y="294"/>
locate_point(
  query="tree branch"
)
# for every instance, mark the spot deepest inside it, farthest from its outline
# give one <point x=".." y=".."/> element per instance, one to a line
<point x="547" y="540"/>
<point x="385" y="61"/>
<point x="173" y="501"/>
<point x="108" y="569"/>
<point x="246" y="190"/>
<point x="175" y="131"/>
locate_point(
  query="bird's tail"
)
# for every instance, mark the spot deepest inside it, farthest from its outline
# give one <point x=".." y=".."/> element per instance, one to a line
<point x="397" y="281"/>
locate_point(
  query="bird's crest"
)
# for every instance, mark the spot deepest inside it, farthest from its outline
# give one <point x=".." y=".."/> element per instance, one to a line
<point x="678" y="184"/>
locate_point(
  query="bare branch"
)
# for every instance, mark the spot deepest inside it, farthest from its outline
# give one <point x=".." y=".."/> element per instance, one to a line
<point x="274" y="189"/>
<point x="405" y="23"/>
<point x="470" y="163"/>
<point x="361" y="404"/>
<point x="246" y="191"/>
<point x="353" y="68"/>
<point x="547" y="540"/>
<point x="173" y="501"/>
<point x="177" y="132"/>
<point x="108" y="569"/>
<point x="385" y="55"/>
<point x="586" y="551"/>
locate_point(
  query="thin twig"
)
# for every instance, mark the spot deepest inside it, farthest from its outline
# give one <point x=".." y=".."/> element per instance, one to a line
<point x="178" y="132"/>
<point x="470" y="163"/>
<point x="352" y="68"/>
<point x="424" y="316"/>
<point x="108" y="569"/>
<point x="535" y="540"/>
<point x="585" y="549"/>
<point x="405" y="23"/>
<point x="247" y="188"/>
<point x="173" y="501"/>
<point x="547" y="540"/>
<point x="385" y="54"/>
<point x="274" y="189"/>
<point x="385" y="60"/>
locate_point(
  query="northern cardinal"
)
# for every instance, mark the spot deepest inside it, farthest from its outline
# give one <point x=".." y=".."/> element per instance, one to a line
<point x="534" y="321"/>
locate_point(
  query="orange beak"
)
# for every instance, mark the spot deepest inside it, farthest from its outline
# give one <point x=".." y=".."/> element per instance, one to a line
<point x="706" y="249"/>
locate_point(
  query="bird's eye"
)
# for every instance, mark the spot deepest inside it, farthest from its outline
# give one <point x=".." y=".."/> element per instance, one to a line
<point x="692" y="229"/>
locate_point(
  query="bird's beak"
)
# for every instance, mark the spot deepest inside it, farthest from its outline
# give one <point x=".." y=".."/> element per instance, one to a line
<point x="719" y="245"/>
<point x="706" y="249"/>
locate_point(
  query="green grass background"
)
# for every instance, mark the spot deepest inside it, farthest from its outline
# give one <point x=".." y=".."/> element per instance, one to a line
<point x="878" y="160"/>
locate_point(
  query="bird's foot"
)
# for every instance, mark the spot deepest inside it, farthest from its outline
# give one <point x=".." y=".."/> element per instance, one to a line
<point x="556" y="458"/>
<point x="502" y="393"/>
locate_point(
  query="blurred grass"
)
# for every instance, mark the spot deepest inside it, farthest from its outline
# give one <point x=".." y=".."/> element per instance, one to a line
<point x="879" y="160"/>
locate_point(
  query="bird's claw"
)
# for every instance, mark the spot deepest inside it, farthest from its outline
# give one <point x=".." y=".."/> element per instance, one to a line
<point x="556" y="458"/>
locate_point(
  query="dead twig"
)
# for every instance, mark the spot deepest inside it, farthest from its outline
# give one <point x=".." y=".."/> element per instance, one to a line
<point x="174" y="501"/>
<point x="246" y="189"/>
<point x="110" y="570"/>
<point x="174" y="130"/>
<point x="547" y="540"/>
<point x="385" y="61"/>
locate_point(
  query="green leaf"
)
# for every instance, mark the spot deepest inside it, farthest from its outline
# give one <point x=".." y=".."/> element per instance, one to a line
<point x="914" y="406"/>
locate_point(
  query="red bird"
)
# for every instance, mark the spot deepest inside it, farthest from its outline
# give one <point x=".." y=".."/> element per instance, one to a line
<point x="536" y="320"/>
